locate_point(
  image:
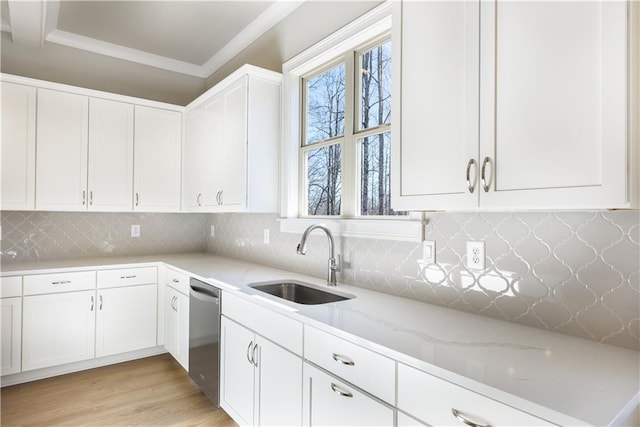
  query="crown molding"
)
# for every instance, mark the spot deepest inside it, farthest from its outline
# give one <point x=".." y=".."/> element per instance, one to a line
<point x="264" y="22"/>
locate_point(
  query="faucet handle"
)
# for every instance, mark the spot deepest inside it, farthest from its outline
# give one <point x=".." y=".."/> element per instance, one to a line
<point x="298" y="250"/>
<point x="337" y="263"/>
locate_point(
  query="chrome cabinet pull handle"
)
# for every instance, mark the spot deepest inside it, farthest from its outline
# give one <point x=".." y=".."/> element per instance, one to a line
<point x="61" y="282"/>
<point x="175" y="281"/>
<point x="137" y="199"/>
<point x="84" y="197"/>
<point x="471" y="187"/>
<point x="343" y="359"/>
<point x="253" y="355"/>
<point x="339" y="390"/>
<point x="91" y="198"/>
<point x="222" y="197"/>
<point x="91" y="303"/>
<point x="199" y="199"/>
<point x="100" y="306"/>
<point x="485" y="184"/>
<point x="468" y="420"/>
<point x="128" y="277"/>
<point x="174" y="299"/>
<point x="249" y="358"/>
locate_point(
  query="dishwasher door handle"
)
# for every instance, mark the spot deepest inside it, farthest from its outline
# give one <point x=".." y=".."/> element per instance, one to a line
<point x="204" y="294"/>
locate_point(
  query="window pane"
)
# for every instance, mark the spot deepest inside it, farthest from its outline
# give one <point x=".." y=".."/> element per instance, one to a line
<point x="375" y="188"/>
<point x="325" y="105"/>
<point x="375" y="86"/>
<point x="324" y="180"/>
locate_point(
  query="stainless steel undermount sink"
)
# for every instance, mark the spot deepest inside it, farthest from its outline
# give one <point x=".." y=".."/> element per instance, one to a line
<point x="299" y="292"/>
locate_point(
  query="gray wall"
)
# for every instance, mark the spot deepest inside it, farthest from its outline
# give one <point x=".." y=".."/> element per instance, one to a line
<point x="309" y="23"/>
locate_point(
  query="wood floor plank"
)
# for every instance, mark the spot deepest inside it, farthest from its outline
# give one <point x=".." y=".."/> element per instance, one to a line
<point x="154" y="391"/>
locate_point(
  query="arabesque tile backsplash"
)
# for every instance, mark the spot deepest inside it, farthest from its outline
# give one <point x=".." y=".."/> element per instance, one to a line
<point x="572" y="272"/>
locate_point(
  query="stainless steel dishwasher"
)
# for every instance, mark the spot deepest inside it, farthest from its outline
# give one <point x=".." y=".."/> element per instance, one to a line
<point x="204" y="337"/>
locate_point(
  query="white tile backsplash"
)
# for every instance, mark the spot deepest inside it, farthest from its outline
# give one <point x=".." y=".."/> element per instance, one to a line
<point x="570" y="272"/>
<point x="576" y="273"/>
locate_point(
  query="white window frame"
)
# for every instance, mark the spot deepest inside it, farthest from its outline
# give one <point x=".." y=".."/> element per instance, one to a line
<point x="352" y="37"/>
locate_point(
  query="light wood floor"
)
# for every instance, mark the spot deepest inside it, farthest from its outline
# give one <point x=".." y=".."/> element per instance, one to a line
<point x="154" y="391"/>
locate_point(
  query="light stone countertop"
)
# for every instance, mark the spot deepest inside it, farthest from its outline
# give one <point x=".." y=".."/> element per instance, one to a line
<point x="563" y="379"/>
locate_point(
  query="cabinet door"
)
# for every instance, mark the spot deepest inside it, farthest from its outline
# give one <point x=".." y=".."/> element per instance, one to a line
<point x="435" y="123"/>
<point x="176" y="326"/>
<point x="158" y="141"/>
<point x="237" y="372"/>
<point x="126" y="319"/>
<point x="18" y="147"/>
<point x="554" y="102"/>
<point x="57" y="329"/>
<point x="11" y="335"/>
<point x="171" y="321"/>
<point x="61" y="163"/>
<point x="232" y="150"/>
<point x="216" y="164"/>
<point x="194" y="160"/>
<point x="280" y="386"/>
<point x="110" y="155"/>
<point x="329" y="402"/>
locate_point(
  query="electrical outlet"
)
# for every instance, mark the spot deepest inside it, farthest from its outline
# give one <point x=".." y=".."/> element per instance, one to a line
<point x="475" y="256"/>
<point x="266" y="236"/>
<point x="213" y="231"/>
<point x="429" y="251"/>
<point x="135" y="231"/>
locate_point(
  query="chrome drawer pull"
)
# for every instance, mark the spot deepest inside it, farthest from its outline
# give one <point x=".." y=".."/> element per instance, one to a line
<point x="343" y="359"/>
<point x="340" y="391"/>
<point x="485" y="185"/>
<point x="248" y="350"/>
<point x="61" y="282"/>
<point x="471" y="187"/>
<point x="253" y="355"/>
<point x="468" y="419"/>
<point x="176" y="281"/>
<point x="128" y="277"/>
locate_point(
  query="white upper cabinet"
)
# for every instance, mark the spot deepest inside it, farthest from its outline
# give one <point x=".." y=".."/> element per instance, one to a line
<point x="534" y="119"/>
<point x="110" y="184"/>
<point x="231" y="148"/>
<point x="158" y="139"/>
<point x="18" y="146"/>
<point x="61" y="161"/>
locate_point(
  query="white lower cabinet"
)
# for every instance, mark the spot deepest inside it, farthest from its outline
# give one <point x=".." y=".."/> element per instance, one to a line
<point x="58" y="329"/>
<point x="10" y="334"/>
<point x="438" y="402"/>
<point x="126" y="319"/>
<point x="176" y="325"/>
<point x="328" y="401"/>
<point x="260" y="382"/>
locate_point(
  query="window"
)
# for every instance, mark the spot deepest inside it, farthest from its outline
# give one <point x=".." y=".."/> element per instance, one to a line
<point x="335" y="152"/>
<point x="345" y="143"/>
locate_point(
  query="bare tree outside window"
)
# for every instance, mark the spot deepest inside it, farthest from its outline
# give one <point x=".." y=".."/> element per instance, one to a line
<point x="325" y="120"/>
<point x="375" y="111"/>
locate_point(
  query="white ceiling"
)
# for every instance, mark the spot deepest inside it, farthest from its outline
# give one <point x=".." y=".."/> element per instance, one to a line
<point x="189" y="37"/>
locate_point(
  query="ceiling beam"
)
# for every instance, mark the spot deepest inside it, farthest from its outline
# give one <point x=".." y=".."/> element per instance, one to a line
<point x="31" y="21"/>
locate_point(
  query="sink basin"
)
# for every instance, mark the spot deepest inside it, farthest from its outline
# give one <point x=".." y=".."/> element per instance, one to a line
<point x="298" y="292"/>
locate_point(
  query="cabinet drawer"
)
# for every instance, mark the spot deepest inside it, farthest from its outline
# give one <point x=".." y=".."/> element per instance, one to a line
<point x="177" y="280"/>
<point x="434" y="400"/>
<point x="59" y="282"/>
<point x="328" y="401"/>
<point x="127" y="277"/>
<point x="364" y="368"/>
<point x="271" y="325"/>
<point x="11" y="286"/>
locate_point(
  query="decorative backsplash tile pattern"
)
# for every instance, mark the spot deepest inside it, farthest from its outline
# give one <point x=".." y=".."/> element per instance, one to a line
<point x="33" y="236"/>
<point x="572" y="272"/>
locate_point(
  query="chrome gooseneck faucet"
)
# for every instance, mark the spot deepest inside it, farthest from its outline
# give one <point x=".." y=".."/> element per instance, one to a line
<point x="333" y="265"/>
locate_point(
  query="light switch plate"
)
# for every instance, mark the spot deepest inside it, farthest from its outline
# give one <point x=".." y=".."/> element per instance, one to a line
<point x="429" y="251"/>
<point x="266" y="236"/>
<point x="213" y="231"/>
<point x="135" y="231"/>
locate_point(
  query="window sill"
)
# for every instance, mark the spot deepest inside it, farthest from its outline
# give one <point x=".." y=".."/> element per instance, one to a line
<point x="383" y="229"/>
